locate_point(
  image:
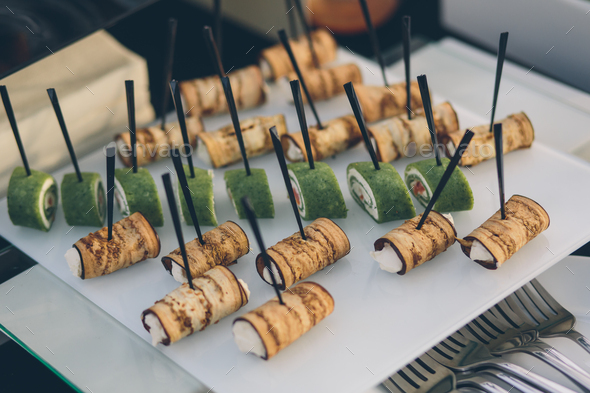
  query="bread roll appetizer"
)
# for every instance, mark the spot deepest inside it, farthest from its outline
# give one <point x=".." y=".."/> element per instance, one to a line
<point x="337" y="136"/>
<point x="380" y="102"/>
<point x="405" y="248"/>
<point x="275" y="62"/>
<point x="134" y="240"/>
<point x="223" y="246"/>
<point x="220" y="148"/>
<point x="83" y="201"/>
<point x="137" y="192"/>
<point x="217" y="294"/>
<point x="306" y="304"/>
<point x="153" y="143"/>
<point x="205" y="97"/>
<point x="399" y="137"/>
<point x="518" y="134"/>
<point x="496" y="240"/>
<point x="294" y="259"/>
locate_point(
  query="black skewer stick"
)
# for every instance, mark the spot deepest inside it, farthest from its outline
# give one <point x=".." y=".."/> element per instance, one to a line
<point x="276" y="142"/>
<point x="287" y="46"/>
<point x="12" y="120"/>
<point x="110" y="189"/>
<point x="500" y="165"/>
<point x="358" y="113"/>
<point x="307" y="29"/>
<point x="213" y="51"/>
<point x="373" y="36"/>
<point x="423" y="83"/>
<point x="254" y="224"/>
<point x="167" y="76"/>
<point x="291" y="16"/>
<point x="499" y="66"/>
<point x="406" y="30"/>
<point x="298" y="100"/>
<point x="231" y="104"/>
<point x="62" y="124"/>
<point x="447" y="175"/>
<point x="186" y="191"/>
<point x="129" y="89"/>
<point x="187" y="148"/>
<point x="177" y="227"/>
<point x="218" y="24"/>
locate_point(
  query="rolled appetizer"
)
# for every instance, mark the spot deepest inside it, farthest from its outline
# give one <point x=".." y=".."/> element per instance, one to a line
<point x="134" y="240"/>
<point x="255" y="187"/>
<point x="294" y="259"/>
<point x="317" y="191"/>
<point x="217" y="294"/>
<point x="275" y="62"/>
<point x="153" y="143"/>
<point x="399" y="137"/>
<point x="518" y="134"/>
<point x="422" y="177"/>
<point x="83" y="202"/>
<point x="405" y="248"/>
<point x="381" y="193"/>
<point x="496" y="240"/>
<point x="32" y="200"/>
<point x="306" y="304"/>
<point x="137" y="192"/>
<point x="205" y="97"/>
<point x="220" y="148"/>
<point x="201" y="190"/>
<point x="380" y="102"/>
<point x="324" y="83"/>
<point x="337" y="136"/>
<point x="223" y="246"/>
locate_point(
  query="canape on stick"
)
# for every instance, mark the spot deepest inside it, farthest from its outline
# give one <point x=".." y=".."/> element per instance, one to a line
<point x="220" y="148"/>
<point x="382" y="102"/>
<point x="184" y="311"/>
<point x="223" y="246"/>
<point x="204" y="97"/>
<point x="275" y="63"/>
<point x="134" y="240"/>
<point x="305" y="305"/>
<point x="201" y="192"/>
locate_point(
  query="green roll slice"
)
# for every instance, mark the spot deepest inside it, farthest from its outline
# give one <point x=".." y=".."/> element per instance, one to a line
<point x="422" y="177"/>
<point x="137" y="192"/>
<point x="201" y="191"/>
<point x="381" y="193"/>
<point x="255" y="187"/>
<point x="83" y="202"/>
<point x="32" y="200"/>
<point x="317" y="191"/>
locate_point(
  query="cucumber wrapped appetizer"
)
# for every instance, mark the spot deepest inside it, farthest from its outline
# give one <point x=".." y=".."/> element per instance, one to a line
<point x="381" y="193"/>
<point x="32" y="200"/>
<point x="201" y="190"/>
<point x="422" y="178"/>
<point x="83" y="202"/>
<point x="317" y="191"/>
<point x="255" y="187"/>
<point x="137" y="192"/>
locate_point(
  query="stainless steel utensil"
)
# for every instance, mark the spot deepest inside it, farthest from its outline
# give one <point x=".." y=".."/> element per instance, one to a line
<point x="421" y="376"/>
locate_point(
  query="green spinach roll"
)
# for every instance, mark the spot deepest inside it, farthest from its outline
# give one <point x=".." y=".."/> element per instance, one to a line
<point x="255" y="187"/>
<point x="201" y="190"/>
<point x="83" y="201"/>
<point x="137" y="192"/>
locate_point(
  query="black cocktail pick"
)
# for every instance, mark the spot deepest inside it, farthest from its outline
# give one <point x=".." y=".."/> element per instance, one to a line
<point x="187" y="148"/>
<point x="167" y="73"/>
<point x="374" y="41"/>
<point x="297" y="99"/>
<point x="12" y="121"/>
<point x="500" y="165"/>
<point x="499" y="66"/>
<point x="423" y="83"/>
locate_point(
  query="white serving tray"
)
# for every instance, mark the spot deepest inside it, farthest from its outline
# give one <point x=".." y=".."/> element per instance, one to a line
<point x="381" y="321"/>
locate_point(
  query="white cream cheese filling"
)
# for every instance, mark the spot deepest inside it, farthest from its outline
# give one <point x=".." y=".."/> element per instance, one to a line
<point x="294" y="153"/>
<point x="275" y="271"/>
<point x="415" y="172"/>
<point x="203" y="153"/>
<point x="363" y="192"/>
<point x="44" y="201"/>
<point x="155" y="328"/>
<point x="247" y="338"/>
<point x="298" y="194"/>
<point x="387" y="259"/>
<point x="451" y="148"/>
<point x="450" y="218"/>
<point x="74" y="262"/>
<point x="265" y="69"/>
<point x="231" y="198"/>
<point x="480" y="253"/>
<point x="121" y="199"/>
<point x="178" y="272"/>
<point x="246" y="289"/>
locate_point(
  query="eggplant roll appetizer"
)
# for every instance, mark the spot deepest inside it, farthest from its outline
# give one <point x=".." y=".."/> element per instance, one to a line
<point x="496" y="240"/>
<point x="399" y="137"/>
<point x="223" y="246"/>
<point x="134" y="240"/>
<point x="275" y="62"/>
<point x="294" y="259"/>
<point x="337" y="136"/>
<point x="381" y="102"/>
<point x="205" y="96"/>
<point x="306" y="304"/>
<point x="220" y="148"/>
<point x="153" y="143"/>
<point x="217" y="294"/>
<point x="517" y="130"/>
<point x="405" y="247"/>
